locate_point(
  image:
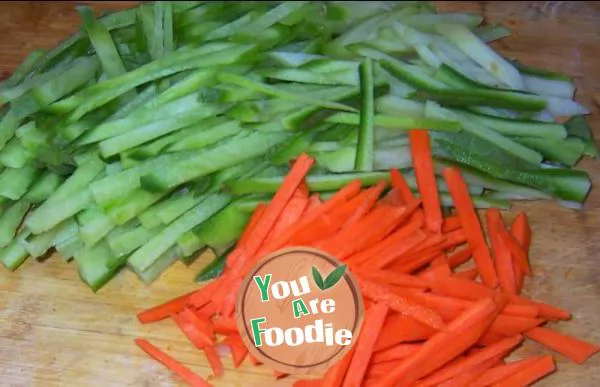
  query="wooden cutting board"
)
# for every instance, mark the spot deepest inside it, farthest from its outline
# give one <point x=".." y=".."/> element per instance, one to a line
<point x="55" y="332"/>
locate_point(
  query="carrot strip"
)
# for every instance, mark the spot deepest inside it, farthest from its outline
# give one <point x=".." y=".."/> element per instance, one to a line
<point x="399" y="183"/>
<point x="437" y="270"/>
<point x="395" y="251"/>
<point x="377" y="370"/>
<point x="401" y="329"/>
<point x="365" y="344"/>
<point x="469" y="375"/>
<point x="502" y="255"/>
<point x="182" y="371"/>
<point x="207" y="310"/>
<point x="391" y="278"/>
<point x="489" y="338"/>
<point x="204" y="295"/>
<point x="468" y="362"/>
<point x="280" y="200"/>
<point x="507" y="325"/>
<point x="469" y="274"/>
<point x="238" y="349"/>
<point x="372" y="194"/>
<point x="249" y="230"/>
<point x="451" y="223"/>
<point x="224" y="325"/>
<point x="193" y="334"/>
<point x="433" y="242"/>
<point x="339" y="197"/>
<point x="546" y="311"/>
<point x="408" y="264"/>
<point x="521" y="231"/>
<point x="443" y="346"/>
<point x="399" y="351"/>
<point x="293" y="211"/>
<point x="395" y="240"/>
<point x="394" y="198"/>
<point x="400" y="304"/>
<point x="496" y="374"/>
<point x="214" y="360"/>
<point x="420" y="147"/>
<point x="471" y="225"/>
<point x="314" y="201"/>
<point x="576" y="350"/>
<point x="532" y="373"/>
<point x="164" y="310"/>
<point x="334" y="377"/>
<point x="459" y="257"/>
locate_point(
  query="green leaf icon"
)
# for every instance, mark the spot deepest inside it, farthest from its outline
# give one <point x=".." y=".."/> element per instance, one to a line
<point x="334" y="277"/>
<point x="317" y="277"/>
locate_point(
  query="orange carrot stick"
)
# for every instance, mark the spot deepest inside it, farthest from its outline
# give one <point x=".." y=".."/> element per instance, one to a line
<point x="507" y="325"/>
<point x="443" y="346"/>
<point x="365" y="344"/>
<point x="238" y="349"/>
<point x="459" y="257"/>
<point x="214" y="360"/>
<point x="293" y="211"/>
<point x="386" y="277"/>
<point x="372" y="194"/>
<point x="334" y="377"/>
<point x="224" y="325"/>
<point x="164" y="310"/>
<point x="496" y="374"/>
<point x="470" y="361"/>
<point x="193" y="334"/>
<point x="532" y="373"/>
<point x="400" y="304"/>
<point x="470" y="375"/>
<point x="399" y="183"/>
<point x="468" y="274"/>
<point x="256" y="215"/>
<point x="502" y="255"/>
<point x="182" y="371"/>
<point x="471" y="225"/>
<point x="420" y="147"/>
<point x="576" y="350"/>
<point x="451" y="223"/>
<point x="399" y="351"/>
<point x="399" y="329"/>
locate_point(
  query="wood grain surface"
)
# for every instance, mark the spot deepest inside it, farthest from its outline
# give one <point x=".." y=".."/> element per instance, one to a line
<point x="55" y="332"/>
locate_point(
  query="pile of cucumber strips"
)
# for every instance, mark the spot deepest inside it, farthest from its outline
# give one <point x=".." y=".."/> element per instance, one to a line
<point x="152" y="133"/>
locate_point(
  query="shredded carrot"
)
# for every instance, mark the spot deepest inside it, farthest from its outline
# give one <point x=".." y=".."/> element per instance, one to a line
<point x="470" y="375"/>
<point x="399" y="329"/>
<point x="372" y="194"/>
<point x="532" y="373"/>
<point x="469" y="274"/>
<point x="471" y="225"/>
<point x="399" y="351"/>
<point x="391" y="278"/>
<point x="164" y="310"/>
<point x="459" y="257"/>
<point x="508" y="325"/>
<point x="399" y="183"/>
<point x="502" y="255"/>
<point x="238" y="349"/>
<point x="182" y="371"/>
<point x="224" y="325"/>
<point x="195" y="335"/>
<point x="214" y="360"/>
<point x="393" y="252"/>
<point x="451" y="223"/>
<point x="365" y="344"/>
<point x="334" y="377"/>
<point x="499" y="372"/>
<point x="576" y="350"/>
<point x="420" y="147"/>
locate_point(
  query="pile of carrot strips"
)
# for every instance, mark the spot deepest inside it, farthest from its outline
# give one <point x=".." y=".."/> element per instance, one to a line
<point x="443" y="307"/>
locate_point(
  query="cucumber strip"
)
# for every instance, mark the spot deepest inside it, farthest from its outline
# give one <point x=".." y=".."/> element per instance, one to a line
<point x="328" y="66"/>
<point x="155" y="147"/>
<point x="408" y="73"/>
<point x="92" y="268"/>
<point x="495" y="139"/>
<point x="567" y="151"/>
<point x="229" y="29"/>
<point x="13" y="255"/>
<point x="161" y="264"/>
<point x="401" y="123"/>
<point x="492" y="32"/>
<point x="78" y="181"/>
<point x="224" y="227"/>
<point x="8" y="126"/>
<point x="366" y="137"/>
<point x="103" y="92"/>
<point x="125" y="141"/>
<point x="270" y="18"/>
<point x="189" y="244"/>
<point x="103" y="44"/>
<point x="94" y="225"/>
<point x="564" y="107"/>
<point x="393" y="105"/>
<point x="279" y="93"/>
<point x="480" y="202"/>
<point x="477" y="178"/>
<point x="15" y="155"/>
<point x="477" y="50"/>
<point x="539" y="72"/>
<point x="486" y="97"/>
<point x="292" y="59"/>
<point x="562" y="88"/>
<point x="172" y="110"/>
<point x="66" y="237"/>
<point x="22" y="70"/>
<point x="123" y="243"/>
<point x="44" y="187"/>
<point x="68" y="246"/>
<point x="342" y="160"/>
<point x="38" y="245"/>
<point x="168" y="210"/>
<point x="14" y="183"/>
<point x="148" y="254"/>
<point x="427" y="22"/>
<point x="306" y="76"/>
<point x="144" y="96"/>
<point x="242" y="147"/>
<point x="214" y="268"/>
<point x="50" y="214"/>
<point x="11" y="220"/>
<point x="577" y="126"/>
<point x="206" y="133"/>
<point x="515" y="127"/>
<point x="135" y="203"/>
